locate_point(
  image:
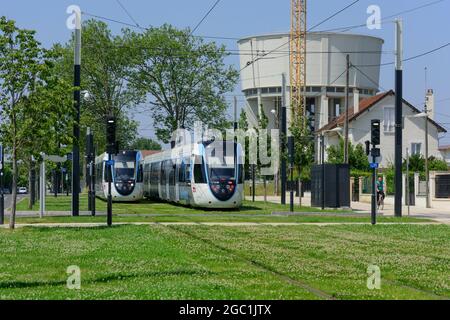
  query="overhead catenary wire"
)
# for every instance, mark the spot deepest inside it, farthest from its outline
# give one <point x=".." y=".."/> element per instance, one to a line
<point x="99" y="17"/>
<point x="369" y="78"/>
<point x="205" y="16"/>
<point x="309" y="30"/>
<point x="128" y="13"/>
<point x="345" y="28"/>
<point x="410" y="58"/>
<point x="334" y="15"/>
<point x="385" y="19"/>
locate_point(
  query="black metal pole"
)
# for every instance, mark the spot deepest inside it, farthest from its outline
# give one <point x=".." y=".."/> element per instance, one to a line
<point x="76" y="125"/>
<point x="32" y="183"/>
<point x="93" y="181"/>
<point x="89" y="156"/>
<point x="322" y="150"/>
<point x="283" y="143"/>
<point x="398" y="122"/>
<point x="235" y="140"/>
<point x="253" y="182"/>
<point x="374" y="191"/>
<point x="291" y="168"/>
<point x="2" y="196"/>
<point x="109" y="211"/>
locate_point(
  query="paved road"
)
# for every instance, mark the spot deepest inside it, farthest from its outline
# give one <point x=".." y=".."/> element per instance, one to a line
<point x="8" y="199"/>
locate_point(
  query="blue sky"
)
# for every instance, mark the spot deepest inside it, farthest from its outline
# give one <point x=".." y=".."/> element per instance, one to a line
<point x="425" y="29"/>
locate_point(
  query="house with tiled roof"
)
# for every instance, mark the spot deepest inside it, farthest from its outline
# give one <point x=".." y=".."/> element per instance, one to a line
<point x="382" y="107"/>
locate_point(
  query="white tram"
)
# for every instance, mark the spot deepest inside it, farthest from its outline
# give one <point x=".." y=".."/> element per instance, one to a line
<point x="207" y="175"/>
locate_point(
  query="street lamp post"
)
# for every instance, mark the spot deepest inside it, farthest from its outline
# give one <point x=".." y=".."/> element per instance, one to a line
<point x="76" y="125"/>
<point x="427" y="170"/>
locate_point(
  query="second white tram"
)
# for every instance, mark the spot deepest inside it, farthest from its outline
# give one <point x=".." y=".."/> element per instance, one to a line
<point x="206" y="175"/>
<point x="126" y="173"/>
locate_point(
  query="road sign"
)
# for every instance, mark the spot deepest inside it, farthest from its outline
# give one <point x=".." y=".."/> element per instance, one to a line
<point x="374" y="166"/>
<point x="56" y="159"/>
<point x="377" y="159"/>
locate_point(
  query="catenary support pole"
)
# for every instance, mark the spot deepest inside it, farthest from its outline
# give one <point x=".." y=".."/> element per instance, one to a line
<point x="398" y="119"/>
<point x="408" y="191"/>
<point x="291" y="168"/>
<point x="76" y="125"/>
<point x="427" y="167"/>
<point x="322" y="161"/>
<point x="346" y="125"/>
<point x="2" y="195"/>
<point x="283" y="140"/>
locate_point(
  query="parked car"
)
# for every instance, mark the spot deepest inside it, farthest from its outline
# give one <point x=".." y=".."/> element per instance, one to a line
<point x="6" y="191"/>
<point x="22" y="190"/>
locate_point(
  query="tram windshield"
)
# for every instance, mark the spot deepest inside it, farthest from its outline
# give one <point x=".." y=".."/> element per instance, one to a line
<point x="124" y="170"/>
<point x="220" y="174"/>
<point x="220" y="161"/>
<point x="125" y="166"/>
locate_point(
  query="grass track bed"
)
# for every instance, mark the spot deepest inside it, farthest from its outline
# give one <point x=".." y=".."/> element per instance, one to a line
<point x="200" y="262"/>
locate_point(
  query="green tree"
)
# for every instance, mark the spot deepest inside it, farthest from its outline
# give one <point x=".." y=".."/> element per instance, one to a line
<point x="304" y="150"/>
<point x="142" y="143"/>
<point x="436" y="164"/>
<point x="358" y="159"/>
<point x="184" y="77"/>
<point x="25" y="75"/>
<point x="417" y="164"/>
<point x="106" y="67"/>
<point x="53" y="124"/>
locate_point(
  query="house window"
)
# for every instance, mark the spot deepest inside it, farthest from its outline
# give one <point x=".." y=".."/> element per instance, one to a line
<point x="389" y="119"/>
<point x="416" y="149"/>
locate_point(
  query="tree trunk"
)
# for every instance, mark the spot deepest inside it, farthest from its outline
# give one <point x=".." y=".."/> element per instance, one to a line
<point x="30" y="186"/>
<point x="12" y="220"/>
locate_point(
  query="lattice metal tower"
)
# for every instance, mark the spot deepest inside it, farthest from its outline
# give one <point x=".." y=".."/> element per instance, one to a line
<point x="298" y="62"/>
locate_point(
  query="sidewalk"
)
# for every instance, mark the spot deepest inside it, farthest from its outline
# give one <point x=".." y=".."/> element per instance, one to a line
<point x="437" y="214"/>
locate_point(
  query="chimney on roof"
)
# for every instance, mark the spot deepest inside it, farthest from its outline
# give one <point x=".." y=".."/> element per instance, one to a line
<point x="355" y="101"/>
<point x="429" y="101"/>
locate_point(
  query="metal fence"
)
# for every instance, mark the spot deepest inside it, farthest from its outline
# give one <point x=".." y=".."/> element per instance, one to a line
<point x="443" y="186"/>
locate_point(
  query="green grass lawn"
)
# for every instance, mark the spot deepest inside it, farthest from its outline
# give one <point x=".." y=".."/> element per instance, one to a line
<point x="63" y="203"/>
<point x="199" y="262"/>
<point x="165" y="212"/>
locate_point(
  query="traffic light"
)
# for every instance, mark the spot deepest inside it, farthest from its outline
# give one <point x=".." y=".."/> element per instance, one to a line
<point x="111" y="145"/>
<point x="367" y="147"/>
<point x="376" y="129"/>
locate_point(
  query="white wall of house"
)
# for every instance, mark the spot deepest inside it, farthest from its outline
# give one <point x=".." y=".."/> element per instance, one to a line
<point x="446" y="155"/>
<point x="413" y="133"/>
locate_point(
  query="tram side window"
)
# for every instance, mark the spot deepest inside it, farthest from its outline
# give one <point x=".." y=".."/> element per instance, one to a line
<point x="199" y="170"/>
<point x="188" y="173"/>
<point x="241" y="174"/>
<point x="154" y="173"/>
<point x="181" y="172"/>
<point x="163" y="172"/>
<point x="172" y="168"/>
<point x="140" y="174"/>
